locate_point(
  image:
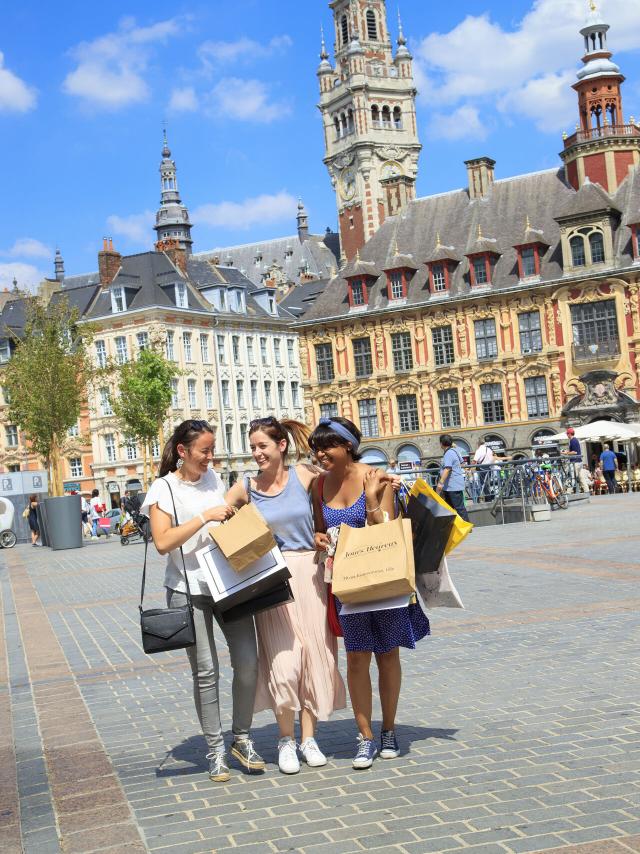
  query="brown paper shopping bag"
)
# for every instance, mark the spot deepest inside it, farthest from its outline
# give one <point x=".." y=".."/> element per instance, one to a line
<point x="374" y="563"/>
<point x="244" y="538"/>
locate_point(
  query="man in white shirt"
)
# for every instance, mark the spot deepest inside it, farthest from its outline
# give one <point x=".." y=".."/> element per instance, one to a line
<point x="96" y="512"/>
<point x="484" y="459"/>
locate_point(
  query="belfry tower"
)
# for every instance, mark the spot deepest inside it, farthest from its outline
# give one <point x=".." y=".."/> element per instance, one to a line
<point x="172" y="218"/>
<point x="603" y="147"/>
<point x="367" y="103"/>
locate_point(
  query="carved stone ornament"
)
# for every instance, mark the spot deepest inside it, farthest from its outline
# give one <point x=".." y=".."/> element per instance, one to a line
<point x="391" y="152"/>
<point x="344" y="160"/>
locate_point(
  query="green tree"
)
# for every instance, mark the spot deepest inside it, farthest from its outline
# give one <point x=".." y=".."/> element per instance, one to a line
<point x="144" y="397"/>
<point x="46" y="380"/>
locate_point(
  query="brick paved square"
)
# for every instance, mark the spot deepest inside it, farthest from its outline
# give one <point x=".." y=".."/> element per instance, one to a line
<point x="519" y="719"/>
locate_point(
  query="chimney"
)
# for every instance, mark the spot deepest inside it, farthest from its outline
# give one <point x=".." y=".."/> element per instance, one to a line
<point x="174" y="251"/>
<point x="109" y="262"/>
<point x="480" y="175"/>
<point x="302" y="220"/>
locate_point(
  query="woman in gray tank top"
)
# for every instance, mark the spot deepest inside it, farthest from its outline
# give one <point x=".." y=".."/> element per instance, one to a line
<point x="298" y="655"/>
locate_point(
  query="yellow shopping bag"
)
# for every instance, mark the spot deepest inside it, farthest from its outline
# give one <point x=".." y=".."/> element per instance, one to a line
<point x="427" y="496"/>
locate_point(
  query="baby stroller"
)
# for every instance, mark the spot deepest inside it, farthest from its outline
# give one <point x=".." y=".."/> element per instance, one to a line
<point x="8" y="538"/>
<point x="137" y="527"/>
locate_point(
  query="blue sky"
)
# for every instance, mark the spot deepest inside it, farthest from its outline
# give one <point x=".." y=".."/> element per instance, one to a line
<point x="85" y="88"/>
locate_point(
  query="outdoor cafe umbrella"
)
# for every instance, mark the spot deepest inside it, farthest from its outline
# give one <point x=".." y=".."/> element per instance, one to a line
<point x="602" y="431"/>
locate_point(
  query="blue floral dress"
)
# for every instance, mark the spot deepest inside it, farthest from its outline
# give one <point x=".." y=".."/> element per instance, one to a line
<point x="375" y="631"/>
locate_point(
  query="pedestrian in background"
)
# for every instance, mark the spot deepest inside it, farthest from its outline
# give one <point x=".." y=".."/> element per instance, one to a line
<point x="609" y="463"/>
<point x="32" y="519"/>
<point x="96" y="509"/>
<point x="186" y="477"/>
<point x="298" y="655"/>
<point x="483" y="459"/>
<point x="451" y="481"/>
<point x="574" y="453"/>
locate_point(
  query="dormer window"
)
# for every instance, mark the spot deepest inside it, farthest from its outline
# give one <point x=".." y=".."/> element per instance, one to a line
<point x="438" y="277"/>
<point x="596" y="245"/>
<point x="528" y="265"/>
<point x="118" y="299"/>
<point x="480" y="270"/>
<point x="237" y="300"/>
<point x="181" y="295"/>
<point x="635" y="242"/>
<point x="578" y="257"/>
<point x="272" y="305"/>
<point x="357" y="292"/>
<point x="397" y="284"/>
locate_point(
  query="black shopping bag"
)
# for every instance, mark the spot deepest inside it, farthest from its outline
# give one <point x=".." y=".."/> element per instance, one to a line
<point x="278" y="595"/>
<point x="431" y="525"/>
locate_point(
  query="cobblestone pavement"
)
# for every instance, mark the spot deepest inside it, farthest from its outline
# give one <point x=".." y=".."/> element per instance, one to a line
<point x="519" y="718"/>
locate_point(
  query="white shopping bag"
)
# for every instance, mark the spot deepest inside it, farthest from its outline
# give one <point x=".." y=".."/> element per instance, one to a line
<point x="228" y="587"/>
<point x="437" y="590"/>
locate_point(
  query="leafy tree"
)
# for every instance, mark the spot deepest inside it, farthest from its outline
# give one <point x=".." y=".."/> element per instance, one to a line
<point x="46" y="379"/>
<point x="144" y="397"/>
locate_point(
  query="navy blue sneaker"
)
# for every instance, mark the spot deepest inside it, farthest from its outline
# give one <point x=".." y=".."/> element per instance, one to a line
<point x="389" y="745"/>
<point x="367" y="752"/>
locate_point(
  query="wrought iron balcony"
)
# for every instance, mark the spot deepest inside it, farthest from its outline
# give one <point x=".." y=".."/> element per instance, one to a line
<point x="602" y="351"/>
<point x="603" y="132"/>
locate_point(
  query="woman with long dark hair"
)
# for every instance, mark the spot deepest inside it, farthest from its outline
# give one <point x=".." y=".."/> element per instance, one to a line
<point x="298" y="655"/>
<point x="355" y="494"/>
<point x="187" y="478"/>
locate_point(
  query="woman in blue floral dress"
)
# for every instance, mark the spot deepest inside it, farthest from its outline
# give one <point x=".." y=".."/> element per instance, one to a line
<point x="355" y="494"/>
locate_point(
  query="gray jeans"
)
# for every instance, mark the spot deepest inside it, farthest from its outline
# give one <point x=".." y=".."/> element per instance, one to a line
<point x="203" y="658"/>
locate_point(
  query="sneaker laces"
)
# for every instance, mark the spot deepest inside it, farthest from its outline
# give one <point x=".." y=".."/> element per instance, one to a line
<point x="219" y="760"/>
<point x="388" y="740"/>
<point x="363" y="747"/>
<point x="310" y="745"/>
<point x="250" y="751"/>
<point x="287" y="745"/>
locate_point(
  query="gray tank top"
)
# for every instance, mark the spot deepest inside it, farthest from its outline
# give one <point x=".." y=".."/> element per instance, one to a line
<point x="289" y="514"/>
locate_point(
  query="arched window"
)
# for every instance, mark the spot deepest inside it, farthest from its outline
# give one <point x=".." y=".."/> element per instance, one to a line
<point x="386" y="117"/>
<point x="596" y="244"/>
<point x="336" y="124"/>
<point x="612" y="115"/>
<point x="397" y="118"/>
<point x="343" y="124"/>
<point x="344" y="25"/>
<point x="596" y="117"/>
<point x="350" y="124"/>
<point x="375" y="115"/>
<point x="372" y="28"/>
<point x="577" y="251"/>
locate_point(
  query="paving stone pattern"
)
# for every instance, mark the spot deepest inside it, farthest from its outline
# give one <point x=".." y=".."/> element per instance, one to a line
<point x="519" y="718"/>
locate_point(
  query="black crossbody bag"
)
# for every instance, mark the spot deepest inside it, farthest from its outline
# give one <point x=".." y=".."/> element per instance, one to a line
<point x="164" y="629"/>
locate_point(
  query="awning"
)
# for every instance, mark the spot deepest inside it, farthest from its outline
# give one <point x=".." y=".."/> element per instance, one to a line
<point x="603" y="431"/>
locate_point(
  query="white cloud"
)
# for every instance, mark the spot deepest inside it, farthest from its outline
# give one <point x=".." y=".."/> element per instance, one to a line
<point x="242" y="50"/>
<point x="136" y="228"/>
<point x="27" y="275"/>
<point x="246" y="100"/>
<point x="183" y="100"/>
<point x="463" y="123"/>
<point x="478" y="59"/>
<point x="28" y="247"/>
<point x="15" y="95"/>
<point x="261" y="210"/>
<point x="110" y="69"/>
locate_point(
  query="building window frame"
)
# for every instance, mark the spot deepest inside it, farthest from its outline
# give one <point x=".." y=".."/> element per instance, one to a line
<point x="111" y="453"/>
<point x="122" y="349"/>
<point x="187" y="346"/>
<point x="537" y="397"/>
<point x="439" y="285"/>
<point x="449" y="406"/>
<point x="443" y="344"/>
<point x="368" y="415"/>
<point x="204" y="348"/>
<point x="192" y="393"/>
<point x="486" y="338"/>
<point x="595" y="328"/>
<point x="530" y="331"/>
<point x="329" y="410"/>
<point x="480" y="273"/>
<point x="358" y="293"/>
<point x="402" y="352"/>
<point x="12" y="437"/>
<point x="408" y="415"/>
<point x="533" y="255"/>
<point x="396" y="284"/>
<point x="492" y="398"/>
<point x="75" y="467"/>
<point x="362" y="357"/>
<point x="324" y="362"/>
<point x="208" y="394"/>
<point x="118" y="299"/>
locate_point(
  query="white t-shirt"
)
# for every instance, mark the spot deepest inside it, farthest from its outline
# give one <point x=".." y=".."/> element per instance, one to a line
<point x="483" y="456"/>
<point x="94" y="504"/>
<point x="191" y="498"/>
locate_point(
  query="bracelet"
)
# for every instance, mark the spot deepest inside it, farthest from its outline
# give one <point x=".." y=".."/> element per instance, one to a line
<point x="204" y="521"/>
<point x="375" y="509"/>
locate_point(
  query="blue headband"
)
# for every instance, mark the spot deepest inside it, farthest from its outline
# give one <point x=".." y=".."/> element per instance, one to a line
<point x="341" y="431"/>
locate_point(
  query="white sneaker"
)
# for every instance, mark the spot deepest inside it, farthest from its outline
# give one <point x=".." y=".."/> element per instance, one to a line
<point x="312" y="754"/>
<point x="288" y="761"/>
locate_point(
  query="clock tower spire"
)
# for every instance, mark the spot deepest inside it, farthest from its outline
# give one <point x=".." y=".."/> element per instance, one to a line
<point x="367" y="101"/>
<point x="172" y="217"/>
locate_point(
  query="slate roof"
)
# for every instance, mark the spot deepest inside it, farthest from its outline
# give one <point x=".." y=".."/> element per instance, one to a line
<point x="313" y="256"/>
<point x="301" y="297"/>
<point x="502" y="215"/>
<point x="590" y="197"/>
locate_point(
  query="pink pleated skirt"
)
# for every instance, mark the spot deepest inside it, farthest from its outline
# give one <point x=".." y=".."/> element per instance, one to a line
<point x="297" y="654"/>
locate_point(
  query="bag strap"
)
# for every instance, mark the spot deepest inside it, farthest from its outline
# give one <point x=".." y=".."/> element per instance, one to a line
<point x="317" y="489"/>
<point x="146" y="549"/>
